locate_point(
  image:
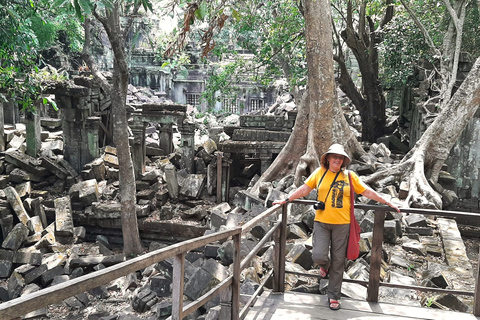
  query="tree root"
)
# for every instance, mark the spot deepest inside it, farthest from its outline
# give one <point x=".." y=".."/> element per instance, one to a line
<point x="420" y="194"/>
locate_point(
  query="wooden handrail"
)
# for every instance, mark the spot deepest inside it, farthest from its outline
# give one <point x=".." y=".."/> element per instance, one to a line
<point x="376" y="251"/>
<point x="25" y="304"/>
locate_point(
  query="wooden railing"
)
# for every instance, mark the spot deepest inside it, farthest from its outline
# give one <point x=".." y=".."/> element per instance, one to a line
<point x="15" y="308"/>
<point x="374" y="283"/>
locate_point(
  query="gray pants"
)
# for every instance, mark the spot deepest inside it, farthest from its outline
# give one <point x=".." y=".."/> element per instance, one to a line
<point x="334" y="237"/>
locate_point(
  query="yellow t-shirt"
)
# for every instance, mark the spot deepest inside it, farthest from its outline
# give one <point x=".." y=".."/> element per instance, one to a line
<point x="337" y="205"/>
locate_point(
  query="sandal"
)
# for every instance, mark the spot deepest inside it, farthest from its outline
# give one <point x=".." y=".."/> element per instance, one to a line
<point x="323" y="273"/>
<point x="333" y="304"/>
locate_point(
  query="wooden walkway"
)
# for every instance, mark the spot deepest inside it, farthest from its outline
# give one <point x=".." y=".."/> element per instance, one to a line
<point x="304" y="306"/>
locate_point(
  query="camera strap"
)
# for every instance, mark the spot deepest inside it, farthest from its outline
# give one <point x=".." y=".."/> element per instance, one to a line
<point x="318" y="185"/>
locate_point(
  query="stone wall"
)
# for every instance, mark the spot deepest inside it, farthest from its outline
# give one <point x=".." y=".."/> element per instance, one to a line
<point x="464" y="164"/>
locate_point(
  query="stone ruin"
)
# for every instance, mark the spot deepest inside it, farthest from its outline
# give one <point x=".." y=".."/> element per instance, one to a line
<point x="60" y="214"/>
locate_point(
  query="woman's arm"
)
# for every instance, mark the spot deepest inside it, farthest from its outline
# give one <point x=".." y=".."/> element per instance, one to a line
<point x="372" y="194"/>
<point x="300" y="192"/>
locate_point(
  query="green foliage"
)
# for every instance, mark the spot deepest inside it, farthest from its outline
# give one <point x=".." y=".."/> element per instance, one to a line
<point x="402" y="49"/>
<point x="471" y="41"/>
<point x="429" y="302"/>
<point x="257" y="43"/>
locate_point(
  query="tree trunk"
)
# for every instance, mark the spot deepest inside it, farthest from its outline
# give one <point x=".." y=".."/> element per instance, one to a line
<point x="425" y="160"/>
<point x="363" y="44"/>
<point x="131" y="238"/>
<point x="320" y="120"/>
<point x="118" y="93"/>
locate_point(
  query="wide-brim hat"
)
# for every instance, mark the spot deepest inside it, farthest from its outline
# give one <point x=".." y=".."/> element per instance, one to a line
<point x="337" y="149"/>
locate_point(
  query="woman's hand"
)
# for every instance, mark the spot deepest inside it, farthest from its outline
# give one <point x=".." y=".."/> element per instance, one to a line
<point x="282" y="202"/>
<point x="388" y="203"/>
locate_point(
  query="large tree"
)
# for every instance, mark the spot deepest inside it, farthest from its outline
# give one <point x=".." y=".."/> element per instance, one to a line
<point x="320" y="120"/>
<point x="109" y="15"/>
<point x="425" y="160"/>
<point x="362" y="35"/>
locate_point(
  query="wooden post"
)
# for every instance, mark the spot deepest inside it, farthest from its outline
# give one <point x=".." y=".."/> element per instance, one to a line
<point x="283" y="245"/>
<point x="376" y="259"/>
<point x="276" y="260"/>
<point x="236" y="278"/>
<point x="177" y="283"/>
<point x="476" y="299"/>
<point x="219" y="176"/>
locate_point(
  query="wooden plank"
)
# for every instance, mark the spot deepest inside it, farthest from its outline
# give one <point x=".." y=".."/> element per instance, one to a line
<point x="261" y="217"/>
<point x="177" y="286"/>
<point x="255" y="295"/>
<point x="376" y="258"/>
<point x="276" y="261"/>
<point x="25" y="304"/>
<point x="283" y="249"/>
<point x="301" y="306"/>
<point x="390" y="285"/>
<point x="236" y="278"/>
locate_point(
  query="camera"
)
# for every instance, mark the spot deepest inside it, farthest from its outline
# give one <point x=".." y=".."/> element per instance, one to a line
<point x="319" y="205"/>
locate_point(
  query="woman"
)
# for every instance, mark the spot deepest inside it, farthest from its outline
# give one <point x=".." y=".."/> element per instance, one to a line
<point x="332" y="218"/>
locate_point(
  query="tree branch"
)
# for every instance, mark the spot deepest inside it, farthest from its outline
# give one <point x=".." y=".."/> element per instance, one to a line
<point x="422" y="29"/>
<point x="106" y="86"/>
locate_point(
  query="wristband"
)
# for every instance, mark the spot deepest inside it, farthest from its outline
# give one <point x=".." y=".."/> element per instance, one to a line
<point x="287" y="200"/>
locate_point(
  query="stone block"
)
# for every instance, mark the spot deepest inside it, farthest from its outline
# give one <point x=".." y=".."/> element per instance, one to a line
<point x="4" y="294"/>
<point x="5" y="268"/>
<point x="16" y="203"/>
<point x="296" y="232"/>
<point x="173" y="186"/>
<point x="160" y="285"/>
<point x="421" y="231"/>
<point x="166" y="213"/>
<point x="18" y="176"/>
<point x="144" y="300"/>
<point x="147" y="194"/>
<point x="47" y="277"/>
<point x="300" y="255"/>
<point x="16" y="237"/>
<point x="63" y="218"/>
<point x="35" y="273"/>
<point x="415" y="247"/>
<point x="34" y="225"/>
<point x="452" y="302"/>
<point x="54" y="168"/>
<point x="192" y="185"/>
<point x="39" y="211"/>
<point x="416" y="220"/>
<point x="211" y="251"/>
<point x="111" y="161"/>
<point x="33" y="258"/>
<point x="24" y="189"/>
<point x="390" y="234"/>
<point x="217" y="219"/>
<point x="15" y="285"/>
<point x="25" y="162"/>
<point x="162" y="197"/>
<point x="199" y="283"/>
